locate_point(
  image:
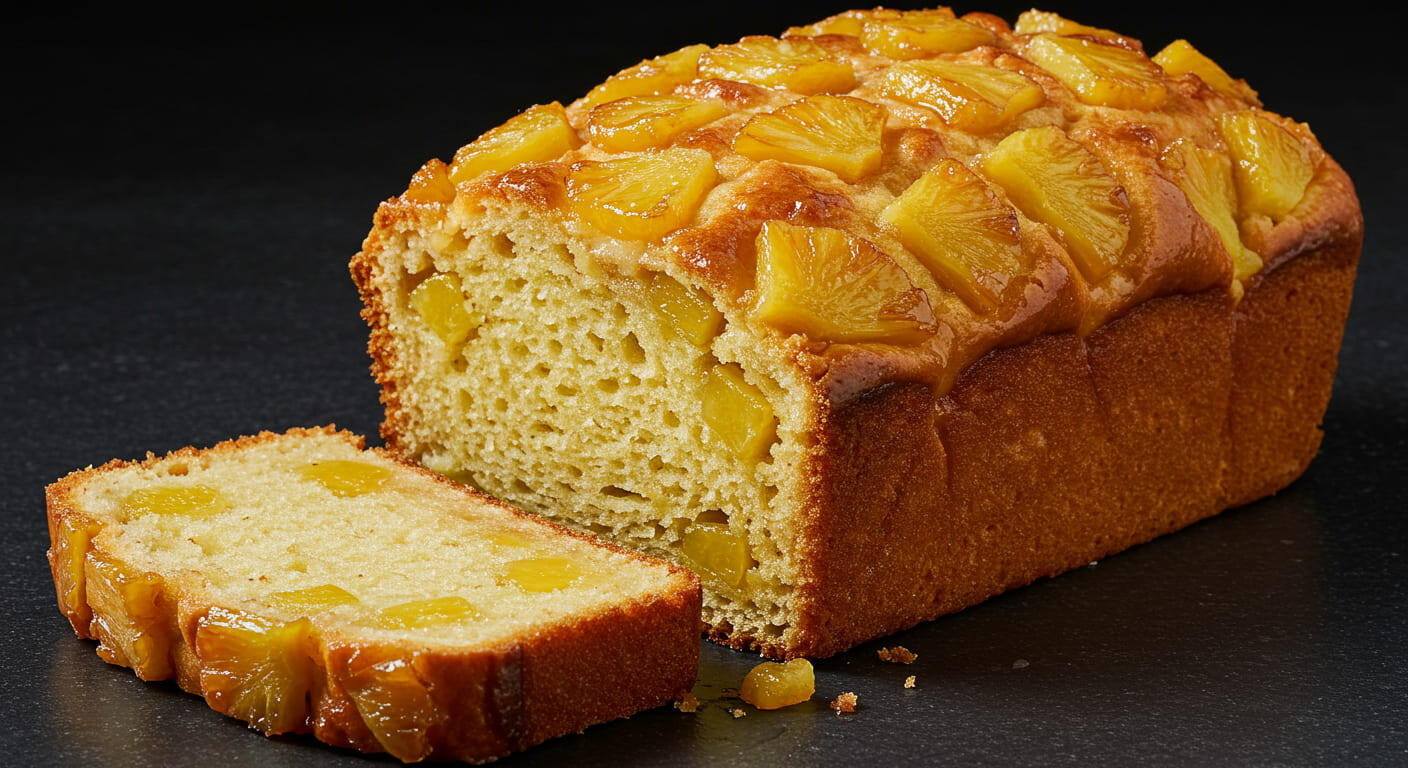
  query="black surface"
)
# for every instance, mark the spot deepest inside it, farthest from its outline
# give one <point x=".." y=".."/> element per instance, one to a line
<point x="181" y="197"/>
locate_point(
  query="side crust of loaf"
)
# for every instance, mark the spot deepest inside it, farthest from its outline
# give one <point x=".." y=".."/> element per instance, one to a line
<point x="483" y="703"/>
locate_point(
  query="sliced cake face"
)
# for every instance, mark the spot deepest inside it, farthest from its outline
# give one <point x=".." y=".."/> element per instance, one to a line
<point x="248" y="570"/>
<point x="638" y="317"/>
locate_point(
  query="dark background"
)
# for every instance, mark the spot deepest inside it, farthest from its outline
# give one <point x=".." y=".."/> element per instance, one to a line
<point x="182" y="194"/>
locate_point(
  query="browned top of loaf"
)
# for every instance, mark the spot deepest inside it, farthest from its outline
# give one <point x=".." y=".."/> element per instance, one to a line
<point x="1131" y="124"/>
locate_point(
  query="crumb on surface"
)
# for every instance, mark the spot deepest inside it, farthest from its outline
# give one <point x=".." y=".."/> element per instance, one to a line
<point x="738" y="712"/>
<point x="909" y="681"/>
<point x="846" y="702"/>
<point x="898" y="655"/>
<point x="687" y="703"/>
<point x="1021" y="664"/>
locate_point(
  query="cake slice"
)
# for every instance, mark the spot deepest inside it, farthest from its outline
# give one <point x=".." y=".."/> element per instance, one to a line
<point x="305" y="585"/>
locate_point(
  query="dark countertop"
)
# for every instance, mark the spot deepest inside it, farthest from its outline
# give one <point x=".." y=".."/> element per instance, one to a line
<point x="181" y="198"/>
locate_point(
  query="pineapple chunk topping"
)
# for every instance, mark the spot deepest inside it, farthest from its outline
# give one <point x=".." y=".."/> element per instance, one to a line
<point x="431" y="184"/>
<point x="839" y="133"/>
<point x="970" y="97"/>
<point x="717" y="551"/>
<point x="830" y="286"/>
<point x="687" y="311"/>
<point x="256" y="669"/>
<point x="440" y="303"/>
<point x="844" y="23"/>
<point x="641" y="197"/>
<point x="796" y="64"/>
<point x="646" y="122"/>
<point x="1101" y="75"/>
<point x="1056" y="181"/>
<point x="347" y="478"/>
<point x="195" y="501"/>
<point x="1205" y="176"/>
<point x="737" y="413"/>
<point x="1034" y="22"/>
<point x="395" y="705"/>
<point x="1272" y="167"/>
<point x="419" y="614"/>
<point x="319" y="598"/>
<point x="1180" y="57"/>
<point x="537" y="135"/>
<point x="661" y="74"/>
<point x="917" y="34"/>
<point x="773" y="685"/>
<point x="130" y="628"/>
<point x="542" y="574"/>
<point x="968" y="238"/>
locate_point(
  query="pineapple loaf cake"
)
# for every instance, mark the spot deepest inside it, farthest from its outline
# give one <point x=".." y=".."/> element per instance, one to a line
<point x="305" y="585"/>
<point x="874" y="319"/>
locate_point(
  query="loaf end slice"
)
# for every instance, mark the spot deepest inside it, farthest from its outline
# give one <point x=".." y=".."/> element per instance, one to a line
<point x="306" y="585"/>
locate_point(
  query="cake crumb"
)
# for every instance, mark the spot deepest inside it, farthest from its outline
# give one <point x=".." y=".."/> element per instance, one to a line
<point x="1021" y="664"/>
<point x="687" y="703"/>
<point x="846" y="702"/>
<point x="738" y="712"/>
<point x="909" y="681"/>
<point x="898" y="655"/>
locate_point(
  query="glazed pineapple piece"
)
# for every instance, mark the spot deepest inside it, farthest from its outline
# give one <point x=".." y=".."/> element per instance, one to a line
<point x="970" y="97"/>
<point x="641" y="197"/>
<point x="331" y="590"/>
<point x="538" y="134"/>
<point x="839" y="133"/>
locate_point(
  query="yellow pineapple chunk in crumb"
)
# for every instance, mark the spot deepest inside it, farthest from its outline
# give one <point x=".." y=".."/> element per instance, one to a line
<point x="1058" y="182"/>
<point x="641" y="197"/>
<point x="958" y="228"/>
<point x="542" y="574"/>
<point x="970" y="97"/>
<point x="431" y="184"/>
<point x="661" y="74"/>
<point x="256" y="669"/>
<point x="346" y="478"/>
<point x="319" y="598"/>
<point x="1272" y="166"/>
<point x="717" y="551"/>
<point x="1205" y="176"/>
<point x="773" y="685"/>
<point x="829" y="286"/>
<point x="394" y="704"/>
<point x="68" y="556"/>
<point x="917" y="34"/>
<point x="797" y="64"/>
<point x="687" y="311"/>
<point x="431" y="612"/>
<point x="737" y="412"/>
<point x="839" y="133"/>
<point x="1180" y="57"/>
<point x="130" y="627"/>
<point x="439" y="301"/>
<point x="194" y="501"/>
<point x="1099" y="74"/>
<point x="536" y="135"/>
<point x="636" y="123"/>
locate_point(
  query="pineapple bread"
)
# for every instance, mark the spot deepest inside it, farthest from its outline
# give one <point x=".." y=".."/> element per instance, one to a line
<point x="305" y="585"/>
<point x="875" y="319"/>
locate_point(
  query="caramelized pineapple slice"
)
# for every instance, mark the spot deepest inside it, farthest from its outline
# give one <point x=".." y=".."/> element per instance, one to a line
<point x="918" y="34"/>
<point x="797" y="64"/>
<point x="1205" y="176"/>
<point x="839" y="133"/>
<point x="1180" y="57"/>
<point x="970" y="97"/>
<point x="829" y="286"/>
<point x="1101" y="75"/>
<point x="256" y="669"/>
<point x="773" y="685"/>
<point x="68" y="554"/>
<point x="1034" y="22"/>
<point x="194" y="501"/>
<point x="394" y="704"/>
<point x="647" y="122"/>
<point x="1056" y="181"/>
<point x="313" y="599"/>
<point x="687" y="311"/>
<point x="844" y="23"/>
<point x="439" y="301"/>
<point x="641" y="197"/>
<point x="737" y="413"/>
<point x="1272" y="166"/>
<point x="717" y="551"/>
<point x="131" y="630"/>
<point x="542" y="574"/>
<point x="958" y="228"/>
<point x="537" y="135"/>
<point x="661" y="74"/>
<point x="347" y="478"/>
<point x="431" y="184"/>
<point x="431" y="612"/>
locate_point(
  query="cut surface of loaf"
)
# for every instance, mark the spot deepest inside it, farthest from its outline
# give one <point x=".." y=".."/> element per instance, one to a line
<point x="305" y="585"/>
<point x="874" y="319"/>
